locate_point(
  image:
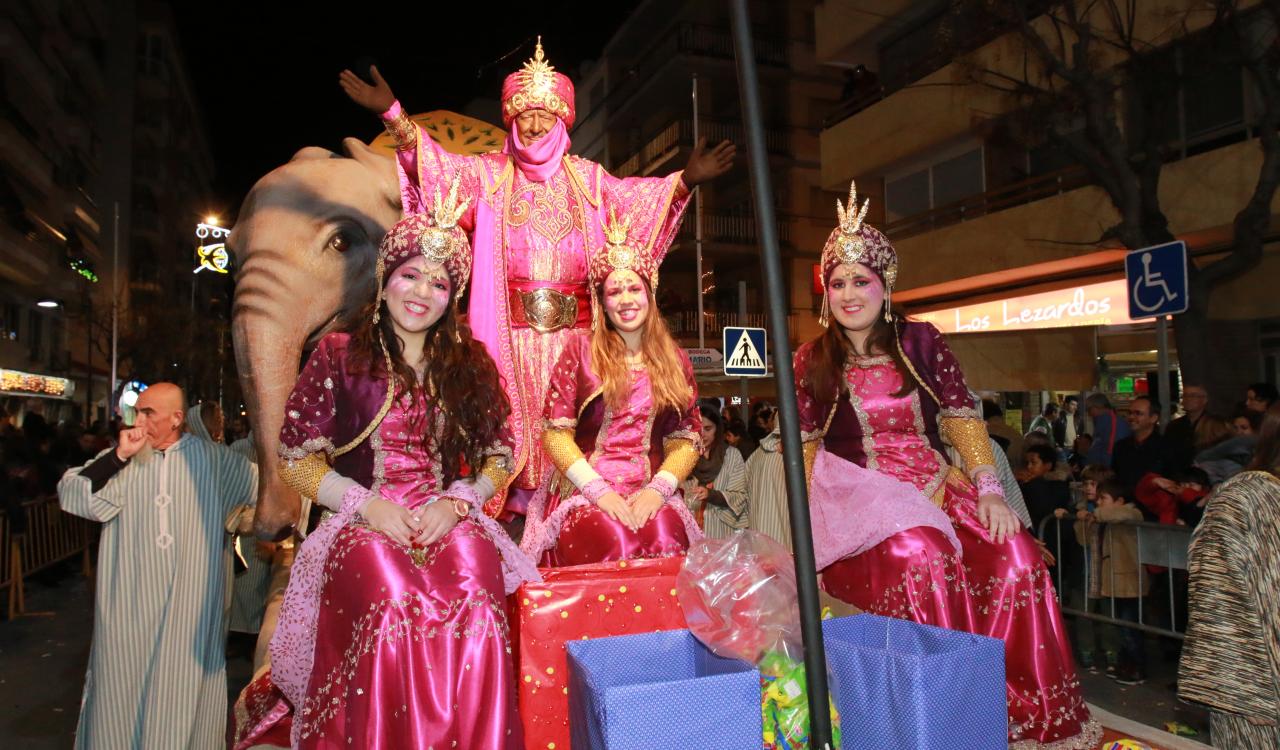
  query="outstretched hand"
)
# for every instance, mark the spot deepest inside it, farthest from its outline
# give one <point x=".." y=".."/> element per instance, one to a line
<point x="376" y="98"/>
<point x="705" y="165"/>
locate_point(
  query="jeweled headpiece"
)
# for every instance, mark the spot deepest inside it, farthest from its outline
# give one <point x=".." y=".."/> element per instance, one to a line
<point x="537" y="86"/>
<point x="855" y="241"/>
<point x="435" y="236"/>
<point x="617" y="254"/>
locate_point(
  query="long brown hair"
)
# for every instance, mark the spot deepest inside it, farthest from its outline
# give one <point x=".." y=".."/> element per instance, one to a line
<point x="609" y="359"/>
<point x="460" y="385"/>
<point x="1266" y="456"/>
<point x="831" y="350"/>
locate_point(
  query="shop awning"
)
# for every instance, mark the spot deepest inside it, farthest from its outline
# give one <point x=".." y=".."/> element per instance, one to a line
<point x="1049" y="359"/>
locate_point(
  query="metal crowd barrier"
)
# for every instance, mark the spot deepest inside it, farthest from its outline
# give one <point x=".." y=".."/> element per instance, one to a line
<point x="1158" y="544"/>
<point x="51" y="536"/>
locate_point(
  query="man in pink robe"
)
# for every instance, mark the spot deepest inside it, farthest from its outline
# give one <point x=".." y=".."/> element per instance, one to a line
<point x="535" y="215"/>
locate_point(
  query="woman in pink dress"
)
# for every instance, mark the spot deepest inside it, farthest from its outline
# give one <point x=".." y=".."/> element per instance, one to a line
<point x="393" y="631"/>
<point x="900" y="531"/>
<point x="621" y="426"/>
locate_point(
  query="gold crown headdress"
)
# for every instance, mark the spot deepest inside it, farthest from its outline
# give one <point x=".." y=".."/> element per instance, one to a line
<point x="434" y="234"/>
<point x="850" y="247"/>
<point x="854" y="241"/>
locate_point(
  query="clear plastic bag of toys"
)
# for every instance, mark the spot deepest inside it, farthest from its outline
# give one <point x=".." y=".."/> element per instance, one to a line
<point x="739" y="598"/>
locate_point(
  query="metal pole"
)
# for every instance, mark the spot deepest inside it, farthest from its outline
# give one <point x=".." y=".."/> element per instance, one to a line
<point x="1162" y="388"/>
<point x="115" y="300"/>
<point x="88" y="357"/>
<point x="697" y="228"/>
<point x="743" y="384"/>
<point x="815" y="657"/>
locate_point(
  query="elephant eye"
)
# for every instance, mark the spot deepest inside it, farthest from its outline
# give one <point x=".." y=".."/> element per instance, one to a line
<point x="340" y="242"/>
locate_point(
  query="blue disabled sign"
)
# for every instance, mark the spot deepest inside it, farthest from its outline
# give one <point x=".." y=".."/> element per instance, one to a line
<point x="1156" y="277"/>
<point x="745" y="354"/>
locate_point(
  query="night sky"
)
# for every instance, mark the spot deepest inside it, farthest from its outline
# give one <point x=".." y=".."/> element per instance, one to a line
<point x="266" y="75"/>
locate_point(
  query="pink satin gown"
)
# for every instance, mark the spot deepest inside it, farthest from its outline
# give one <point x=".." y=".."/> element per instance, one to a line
<point x="564" y="528"/>
<point x="412" y="646"/>
<point x="1003" y="591"/>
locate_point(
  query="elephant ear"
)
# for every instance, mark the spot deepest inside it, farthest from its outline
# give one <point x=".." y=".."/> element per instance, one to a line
<point x="383" y="165"/>
<point x="457" y="134"/>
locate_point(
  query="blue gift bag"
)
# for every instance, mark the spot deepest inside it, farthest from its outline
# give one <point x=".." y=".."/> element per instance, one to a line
<point x="899" y="684"/>
<point x="639" y="692"/>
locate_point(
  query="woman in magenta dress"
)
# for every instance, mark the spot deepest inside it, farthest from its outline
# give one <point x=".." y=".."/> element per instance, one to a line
<point x="393" y="631"/>
<point x="900" y="531"/>
<point x="621" y="426"/>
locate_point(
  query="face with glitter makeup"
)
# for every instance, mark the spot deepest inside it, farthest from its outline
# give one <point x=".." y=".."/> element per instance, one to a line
<point x="856" y="296"/>
<point x="417" y="295"/>
<point x="626" y="300"/>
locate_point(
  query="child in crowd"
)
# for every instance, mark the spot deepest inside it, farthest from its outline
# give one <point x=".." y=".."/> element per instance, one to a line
<point x="1043" y="494"/>
<point x="1104" y="652"/>
<point x="1178" y="500"/>
<point x="1122" y="578"/>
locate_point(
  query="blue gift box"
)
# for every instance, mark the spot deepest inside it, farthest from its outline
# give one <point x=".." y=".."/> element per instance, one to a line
<point x="638" y="692"/>
<point x="901" y="684"/>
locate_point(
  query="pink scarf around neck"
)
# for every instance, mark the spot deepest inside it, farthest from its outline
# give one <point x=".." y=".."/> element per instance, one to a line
<point x="540" y="160"/>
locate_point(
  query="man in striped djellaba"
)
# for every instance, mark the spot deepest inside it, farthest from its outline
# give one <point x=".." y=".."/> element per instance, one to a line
<point x="157" y="671"/>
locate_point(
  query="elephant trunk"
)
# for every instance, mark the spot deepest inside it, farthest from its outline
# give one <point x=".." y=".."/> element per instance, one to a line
<point x="267" y="356"/>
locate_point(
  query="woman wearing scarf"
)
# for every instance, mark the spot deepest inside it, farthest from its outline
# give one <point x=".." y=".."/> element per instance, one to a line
<point x="718" y="485"/>
<point x="393" y="631"/>
<point x="536" y="214"/>
<point x="621" y="426"/>
<point x="899" y="531"/>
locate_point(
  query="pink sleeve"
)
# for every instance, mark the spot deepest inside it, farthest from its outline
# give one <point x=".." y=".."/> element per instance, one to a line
<point x="811" y="421"/>
<point x="310" y="420"/>
<point x="427" y="168"/>
<point x="561" y="409"/>
<point x="957" y="399"/>
<point x="655" y="204"/>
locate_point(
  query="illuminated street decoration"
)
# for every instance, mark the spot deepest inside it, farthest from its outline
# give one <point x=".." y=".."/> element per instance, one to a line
<point x="213" y="257"/>
<point x="84" y="268"/>
<point x="207" y="231"/>
<point x="26" y="383"/>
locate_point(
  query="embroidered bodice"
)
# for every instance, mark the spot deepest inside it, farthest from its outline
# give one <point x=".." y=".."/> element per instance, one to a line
<point x="893" y="427"/>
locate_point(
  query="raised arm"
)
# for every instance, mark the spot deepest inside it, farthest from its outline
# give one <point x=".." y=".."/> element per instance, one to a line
<point x="89" y="491"/>
<point x="422" y="164"/>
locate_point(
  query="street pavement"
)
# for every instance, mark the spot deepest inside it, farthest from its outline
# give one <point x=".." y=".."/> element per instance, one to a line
<point x="43" y="657"/>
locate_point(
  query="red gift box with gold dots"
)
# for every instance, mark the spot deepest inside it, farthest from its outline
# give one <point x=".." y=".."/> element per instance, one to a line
<point x="577" y="603"/>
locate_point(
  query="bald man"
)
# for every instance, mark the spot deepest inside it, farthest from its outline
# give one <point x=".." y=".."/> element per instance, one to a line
<point x="157" y="672"/>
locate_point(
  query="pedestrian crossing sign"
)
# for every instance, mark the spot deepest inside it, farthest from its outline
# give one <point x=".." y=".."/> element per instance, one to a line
<point x="745" y="353"/>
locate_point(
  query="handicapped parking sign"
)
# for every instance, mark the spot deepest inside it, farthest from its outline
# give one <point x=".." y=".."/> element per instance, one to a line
<point x="1156" y="278"/>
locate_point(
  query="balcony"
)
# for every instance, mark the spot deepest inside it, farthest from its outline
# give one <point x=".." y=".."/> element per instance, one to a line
<point x="686" y="39"/>
<point x="679" y="134"/>
<point x="735" y="230"/>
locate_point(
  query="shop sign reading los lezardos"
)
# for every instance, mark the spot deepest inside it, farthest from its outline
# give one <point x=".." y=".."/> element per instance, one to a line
<point x="1100" y="304"/>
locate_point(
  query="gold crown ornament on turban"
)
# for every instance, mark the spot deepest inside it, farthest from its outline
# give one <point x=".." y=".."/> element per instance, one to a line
<point x="855" y="241"/>
<point x="435" y="236"/>
<point x="537" y="85"/>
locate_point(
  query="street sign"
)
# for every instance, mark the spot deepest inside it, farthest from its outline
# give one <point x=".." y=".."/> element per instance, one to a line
<point x="1156" y="278"/>
<point x="745" y="352"/>
<point x="704" y="359"/>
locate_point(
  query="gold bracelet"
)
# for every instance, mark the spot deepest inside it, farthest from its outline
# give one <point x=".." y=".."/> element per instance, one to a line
<point x="402" y="131"/>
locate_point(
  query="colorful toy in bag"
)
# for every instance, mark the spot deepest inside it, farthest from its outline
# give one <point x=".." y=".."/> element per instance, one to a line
<point x="1126" y="745"/>
<point x="739" y="598"/>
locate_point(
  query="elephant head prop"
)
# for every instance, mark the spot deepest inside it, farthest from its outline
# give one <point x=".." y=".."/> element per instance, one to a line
<point x="305" y="242"/>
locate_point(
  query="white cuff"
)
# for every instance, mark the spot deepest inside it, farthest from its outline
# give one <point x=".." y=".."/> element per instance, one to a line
<point x="668" y="477"/>
<point x="581" y="473"/>
<point x="484" y="487"/>
<point x="333" y="486"/>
